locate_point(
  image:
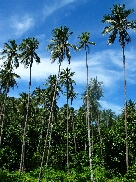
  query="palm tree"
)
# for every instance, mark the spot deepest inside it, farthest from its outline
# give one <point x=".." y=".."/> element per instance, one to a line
<point x="50" y="87"/>
<point x="119" y="25"/>
<point x="60" y="48"/>
<point x="67" y="82"/>
<point x="84" y="43"/>
<point x="10" y="57"/>
<point x="7" y="77"/>
<point x="27" y="55"/>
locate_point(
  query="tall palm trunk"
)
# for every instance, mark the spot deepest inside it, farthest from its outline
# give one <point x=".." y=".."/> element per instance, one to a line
<point x="67" y="132"/>
<point x="119" y="15"/>
<point x="47" y="159"/>
<point x="74" y="131"/>
<point x="24" y="134"/>
<point x="92" y="133"/>
<point x="3" y="114"/>
<point x="4" y="107"/>
<point x="1" y="129"/>
<point x="125" y="108"/>
<point x="22" y="162"/>
<point x="49" y="125"/>
<point x="47" y="133"/>
<point x="88" y="122"/>
<point x="41" y="135"/>
<point x="27" y="48"/>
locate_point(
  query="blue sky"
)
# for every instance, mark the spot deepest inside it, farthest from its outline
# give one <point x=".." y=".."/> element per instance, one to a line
<point x="20" y="19"/>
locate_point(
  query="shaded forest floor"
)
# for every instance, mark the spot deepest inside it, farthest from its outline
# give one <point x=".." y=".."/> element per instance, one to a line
<point x="51" y="175"/>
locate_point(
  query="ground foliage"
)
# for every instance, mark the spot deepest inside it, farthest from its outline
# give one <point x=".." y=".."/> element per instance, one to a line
<point x="106" y="166"/>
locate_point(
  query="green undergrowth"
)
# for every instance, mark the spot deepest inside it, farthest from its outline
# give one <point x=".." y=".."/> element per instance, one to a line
<point x="52" y="175"/>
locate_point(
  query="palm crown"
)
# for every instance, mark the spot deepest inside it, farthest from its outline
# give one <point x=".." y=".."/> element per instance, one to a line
<point x="119" y="24"/>
<point x="28" y="47"/>
<point x="10" y="54"/>
<point x="28" y="54"/>
<point x="59" y="44"/>
<point x="84" y="40"/>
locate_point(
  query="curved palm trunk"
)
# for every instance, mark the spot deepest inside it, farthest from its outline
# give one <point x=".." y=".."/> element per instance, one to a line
<point x="49" y="126"/>
<point x="88" y="122"/>
<point x="125" y="108"/>
<point x="47" y="133"/>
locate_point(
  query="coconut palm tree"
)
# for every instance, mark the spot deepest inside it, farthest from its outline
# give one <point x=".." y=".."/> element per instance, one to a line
<point x="118" y="25"/>
<point x="60" y="48"/>
<point x="50" y="87"/>
<point x="7" y="77"/>
<point x="67" y="81"/>
<point x="27" y="55"/>
<point x="10" y="61"/>
<point x="84" y="43"/>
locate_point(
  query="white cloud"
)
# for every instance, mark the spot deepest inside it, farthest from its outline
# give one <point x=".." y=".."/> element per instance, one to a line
<point x="108" y="57"/>
<point x="21" y="25"/>
<point x="39" y="71"/>
<point x="103" y="64"/>
<point x="54" y="6"/>
<point x="108" y="105"/>
<point x="95" y="69"/>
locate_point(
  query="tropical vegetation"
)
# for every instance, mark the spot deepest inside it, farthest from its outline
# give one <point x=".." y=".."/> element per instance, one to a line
<point x="41" y="141"/>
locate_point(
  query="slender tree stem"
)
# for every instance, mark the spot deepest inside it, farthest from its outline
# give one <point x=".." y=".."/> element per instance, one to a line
<point x="99" y="131"/>
<point x="92" y="134"/>
<point x="67" y="137"/>
<point x="74" y="131"/>
<point x="49" y="124"/>
<point x="47" y="133"/>
<point x="3" y="111"/>
<point x="49" y="143"/>
<point x="24" y="134"/>
<point x="125" y="107"/>
<point x="88" y="121"/>
<point x="41" y="134"/>
<point x="1" y="129"/>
